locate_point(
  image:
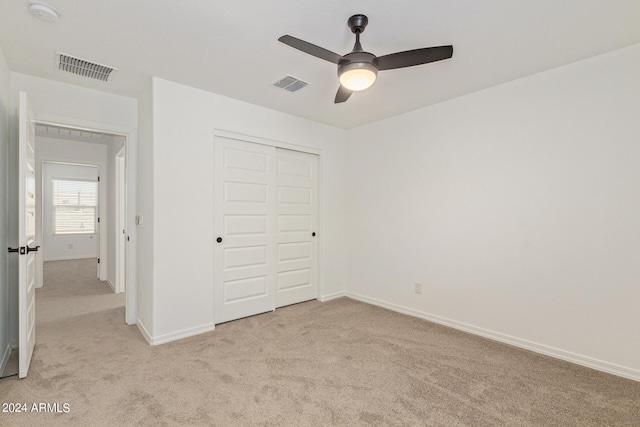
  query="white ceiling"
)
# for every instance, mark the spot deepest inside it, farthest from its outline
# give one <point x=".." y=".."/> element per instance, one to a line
<point x="231" y="48"/>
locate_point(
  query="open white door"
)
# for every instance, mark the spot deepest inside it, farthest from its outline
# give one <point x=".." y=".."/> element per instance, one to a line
<point x="121" y="220"/>
<point x="27" y="235"/>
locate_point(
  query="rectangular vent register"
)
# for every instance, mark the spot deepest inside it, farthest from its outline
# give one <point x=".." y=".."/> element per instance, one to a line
<point x="290" y="84"/>
<point x="82" y="67"/>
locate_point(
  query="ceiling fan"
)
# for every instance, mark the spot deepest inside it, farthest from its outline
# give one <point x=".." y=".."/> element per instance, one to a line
<point x="357" y="70"/>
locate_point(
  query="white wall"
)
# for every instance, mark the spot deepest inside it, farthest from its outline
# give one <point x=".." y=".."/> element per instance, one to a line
<point x="145" y="205"/>
<point x="72" y="246"/>
<point x="59" y="101"/>
<point x="516" y="207"/>
<point x="67" y="105"/>
<point x="181" y="213"/>
<point x="5" y="335"/>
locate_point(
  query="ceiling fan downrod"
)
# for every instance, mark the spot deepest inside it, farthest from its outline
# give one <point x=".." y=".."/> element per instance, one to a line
<point x="357" y="23"/>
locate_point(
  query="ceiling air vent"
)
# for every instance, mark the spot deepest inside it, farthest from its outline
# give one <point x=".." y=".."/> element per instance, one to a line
<point x="290" y="84"/>
<point x="84" y="68"/>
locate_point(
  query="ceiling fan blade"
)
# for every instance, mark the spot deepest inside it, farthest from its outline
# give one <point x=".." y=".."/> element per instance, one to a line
<point x="342" y="95"/>
<point x="409" y="58"/>
<point x="311" y="49"/>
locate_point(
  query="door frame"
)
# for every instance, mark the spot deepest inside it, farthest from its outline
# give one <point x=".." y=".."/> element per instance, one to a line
<point x="130" y="150"/>
<point x="221" y="133"/>
<point x="101" y="206"/>
<point x="120" y="219"/>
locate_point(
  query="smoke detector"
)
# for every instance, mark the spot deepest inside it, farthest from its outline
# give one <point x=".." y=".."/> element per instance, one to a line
<point x="43" y="11"/>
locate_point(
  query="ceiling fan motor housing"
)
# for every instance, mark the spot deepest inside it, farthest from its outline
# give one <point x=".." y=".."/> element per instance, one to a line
<point x="358" y="60"/>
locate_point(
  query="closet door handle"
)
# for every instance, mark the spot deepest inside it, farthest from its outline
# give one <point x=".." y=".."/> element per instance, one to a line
<point x="219" y="240"/>
<point x="32" y="249"/>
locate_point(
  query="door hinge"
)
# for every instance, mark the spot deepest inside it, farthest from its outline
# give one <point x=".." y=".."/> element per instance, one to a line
<point x="98" y="179"/>
<point x="98" y="219"/>
<point x="98" y="260"/>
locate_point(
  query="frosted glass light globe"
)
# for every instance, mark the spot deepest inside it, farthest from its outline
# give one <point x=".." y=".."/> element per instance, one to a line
<point x="357" y="78"/>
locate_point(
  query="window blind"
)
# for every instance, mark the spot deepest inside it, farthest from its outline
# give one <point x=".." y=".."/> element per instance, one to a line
<point x="74" y="206"/>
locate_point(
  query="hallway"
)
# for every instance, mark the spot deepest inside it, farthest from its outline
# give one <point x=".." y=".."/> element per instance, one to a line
<point x="71" y="289"/>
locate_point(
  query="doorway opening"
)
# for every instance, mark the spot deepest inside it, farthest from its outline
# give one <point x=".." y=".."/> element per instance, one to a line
<point x="65" y="140"/>
<point x="71" y="202"/>
<point x="67" y="147"/>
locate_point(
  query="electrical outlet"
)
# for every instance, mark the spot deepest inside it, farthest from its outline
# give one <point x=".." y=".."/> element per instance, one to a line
<point x="418" y="287"/>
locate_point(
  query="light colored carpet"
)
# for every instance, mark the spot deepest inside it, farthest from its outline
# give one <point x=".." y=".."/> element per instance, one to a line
<point x="336" y="363"/>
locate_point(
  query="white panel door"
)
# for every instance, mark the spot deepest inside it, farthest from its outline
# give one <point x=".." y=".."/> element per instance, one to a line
<point x="121" y="220"/>
<point x="26" y="240"/>
<point x="296" y="212"/>
<point x="244" y="206"/>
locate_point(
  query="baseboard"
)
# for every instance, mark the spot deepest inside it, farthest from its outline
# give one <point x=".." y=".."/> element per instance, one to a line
<point x="111" y="285"/>
<point x="5" y="359"/>
<point x="185" y="333"/>
<point x="329" y="297"/>
<point x="143" y="330"/>
<point x="589" y="362"/>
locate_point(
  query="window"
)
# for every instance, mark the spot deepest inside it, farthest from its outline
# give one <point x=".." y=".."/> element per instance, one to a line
<point x="74" y="206"/>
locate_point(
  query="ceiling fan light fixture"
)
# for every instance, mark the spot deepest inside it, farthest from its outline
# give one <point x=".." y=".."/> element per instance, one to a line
<point x="357" y="76"/>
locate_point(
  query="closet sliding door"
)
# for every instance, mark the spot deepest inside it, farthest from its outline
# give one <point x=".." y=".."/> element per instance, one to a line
<point x="265" y="214"/>
<point x="244" y="210"/>
<point x="296" y="207"/>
